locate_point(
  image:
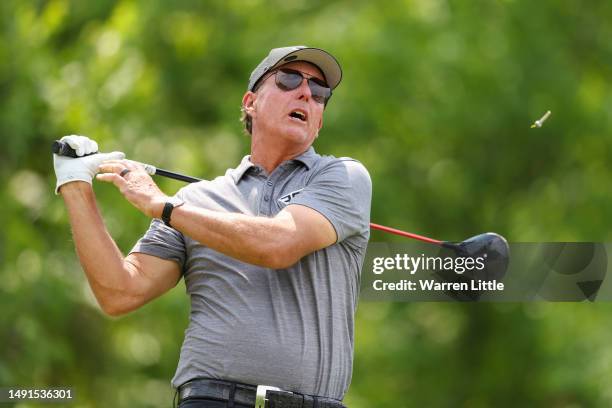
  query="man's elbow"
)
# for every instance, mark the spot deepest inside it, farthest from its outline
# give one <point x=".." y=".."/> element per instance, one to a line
<point x="278" y="261"/>
<point x="280" y="257"/>
<point x="115" y="308"/>
<point x="112" y="310"/>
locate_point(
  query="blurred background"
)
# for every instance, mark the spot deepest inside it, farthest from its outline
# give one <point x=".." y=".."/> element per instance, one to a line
<point x="437" y="100"/>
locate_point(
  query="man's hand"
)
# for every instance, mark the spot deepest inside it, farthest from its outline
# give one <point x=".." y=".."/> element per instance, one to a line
<point x="69" y="169"/>
<point x="135" y="184"/>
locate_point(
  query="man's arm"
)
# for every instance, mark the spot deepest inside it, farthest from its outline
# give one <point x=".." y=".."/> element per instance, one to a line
<point x="119" y="284"/>
<point x="276" y="242"/>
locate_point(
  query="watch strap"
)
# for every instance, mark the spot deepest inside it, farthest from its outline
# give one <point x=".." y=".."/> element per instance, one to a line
<point x="167" y="211"/>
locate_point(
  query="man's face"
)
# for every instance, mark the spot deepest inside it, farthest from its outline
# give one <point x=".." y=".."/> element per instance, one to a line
<point x="272" y="109"/>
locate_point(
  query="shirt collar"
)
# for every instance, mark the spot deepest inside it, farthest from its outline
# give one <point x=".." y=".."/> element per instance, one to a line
<point x="242" y="168"/>
<point x="308" y="159"/>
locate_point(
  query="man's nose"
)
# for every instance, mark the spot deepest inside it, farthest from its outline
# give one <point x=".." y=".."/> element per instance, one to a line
<point x="304" y="89"/>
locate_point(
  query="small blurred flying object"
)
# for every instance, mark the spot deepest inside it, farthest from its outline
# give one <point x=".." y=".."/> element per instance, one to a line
<point x="538" y="123"/>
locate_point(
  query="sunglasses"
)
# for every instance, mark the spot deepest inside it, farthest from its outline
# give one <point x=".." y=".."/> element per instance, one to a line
<point x="290" y="79"/>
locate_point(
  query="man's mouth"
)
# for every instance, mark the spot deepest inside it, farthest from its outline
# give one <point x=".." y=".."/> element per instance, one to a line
<point x="298" y="114"/>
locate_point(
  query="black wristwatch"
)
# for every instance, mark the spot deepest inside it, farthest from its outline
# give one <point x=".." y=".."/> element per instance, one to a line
<point x="168" y="208"/>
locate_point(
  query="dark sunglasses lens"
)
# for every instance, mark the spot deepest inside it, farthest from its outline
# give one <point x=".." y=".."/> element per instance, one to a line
<point x="287" y="80"/>
<point x="320" y="93"/>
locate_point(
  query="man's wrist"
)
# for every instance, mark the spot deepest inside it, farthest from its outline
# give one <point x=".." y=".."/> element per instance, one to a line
<point x="169" y="207"/>
<point x="157" y="207"/>
<point x="74" y="187"/>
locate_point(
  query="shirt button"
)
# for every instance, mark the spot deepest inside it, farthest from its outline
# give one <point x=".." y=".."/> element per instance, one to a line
<point x="266" y="198"/>
<point x="269" y="182"/>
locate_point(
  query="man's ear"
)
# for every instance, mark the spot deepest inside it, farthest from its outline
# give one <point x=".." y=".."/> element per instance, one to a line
<point x="249" y="102"/>
<point x="319" y="127"/>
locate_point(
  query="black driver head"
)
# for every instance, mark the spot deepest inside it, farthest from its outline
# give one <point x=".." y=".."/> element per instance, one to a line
<point x="491" y="255"/>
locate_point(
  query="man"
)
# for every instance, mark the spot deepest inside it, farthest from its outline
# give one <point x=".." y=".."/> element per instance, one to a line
<point x="271" y="252"/>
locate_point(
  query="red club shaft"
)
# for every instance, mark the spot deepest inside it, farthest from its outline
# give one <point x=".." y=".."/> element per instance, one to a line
<point x="404" y="234"/>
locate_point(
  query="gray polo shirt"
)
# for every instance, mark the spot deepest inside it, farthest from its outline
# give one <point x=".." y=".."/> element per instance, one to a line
<point x="292" y="328"/>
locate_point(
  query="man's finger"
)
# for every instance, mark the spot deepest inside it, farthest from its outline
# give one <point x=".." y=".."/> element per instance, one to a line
<point x="89" y="146"/>
<point x="72" y="140"/>
<point x="111" y="167"/>
<point x="84" y="145"/>
<point x="134" y="165"/>
<point x="113" y="163"/>
<point x="114" y="178"/>
<point x="112" y="156"/>
<point x="127" y="164"/>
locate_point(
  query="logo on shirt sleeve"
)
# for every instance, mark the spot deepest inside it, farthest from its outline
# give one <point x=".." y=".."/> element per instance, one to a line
<point x="286" y="199"/>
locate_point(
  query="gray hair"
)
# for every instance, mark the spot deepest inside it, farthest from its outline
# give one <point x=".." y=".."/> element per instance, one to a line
<point x="247" y="120"/>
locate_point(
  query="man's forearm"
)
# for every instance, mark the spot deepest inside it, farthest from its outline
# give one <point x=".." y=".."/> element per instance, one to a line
<point x="273" y="242"/>
<point x="100" y="257"/>
<point x="263" y="241"/>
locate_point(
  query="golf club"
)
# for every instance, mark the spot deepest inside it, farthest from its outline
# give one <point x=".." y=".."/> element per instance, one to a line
<point x="469" y="247"/>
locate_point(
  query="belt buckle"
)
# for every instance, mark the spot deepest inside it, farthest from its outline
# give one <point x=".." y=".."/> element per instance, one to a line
<point x="260" y="395"/>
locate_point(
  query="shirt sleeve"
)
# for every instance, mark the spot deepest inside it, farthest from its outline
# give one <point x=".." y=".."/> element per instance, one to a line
<point x="163" y="242"/>
<point x="342" y="192"/>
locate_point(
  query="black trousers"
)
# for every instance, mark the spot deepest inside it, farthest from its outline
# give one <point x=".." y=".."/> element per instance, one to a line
<point x="208" y="403"/>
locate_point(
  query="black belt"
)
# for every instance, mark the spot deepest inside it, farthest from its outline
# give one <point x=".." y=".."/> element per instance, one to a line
<point x="250" y="395"/>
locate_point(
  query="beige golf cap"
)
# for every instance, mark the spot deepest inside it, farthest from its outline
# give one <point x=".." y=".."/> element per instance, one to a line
<point x="279" y="56"/>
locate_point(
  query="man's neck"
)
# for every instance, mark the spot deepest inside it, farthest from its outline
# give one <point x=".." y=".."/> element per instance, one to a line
<point x="270" y="157"/>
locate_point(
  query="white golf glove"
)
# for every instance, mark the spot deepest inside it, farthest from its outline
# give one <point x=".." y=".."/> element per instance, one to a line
<point x="69" y="169"/>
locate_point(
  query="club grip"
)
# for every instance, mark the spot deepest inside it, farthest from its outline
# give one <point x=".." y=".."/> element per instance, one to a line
<point x="63" y="149"/>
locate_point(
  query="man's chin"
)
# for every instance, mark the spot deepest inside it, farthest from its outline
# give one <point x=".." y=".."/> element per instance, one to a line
<point x="298" y="136"/>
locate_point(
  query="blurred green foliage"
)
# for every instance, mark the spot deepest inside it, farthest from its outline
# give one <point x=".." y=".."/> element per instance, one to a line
<point x="437" y="99"/>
